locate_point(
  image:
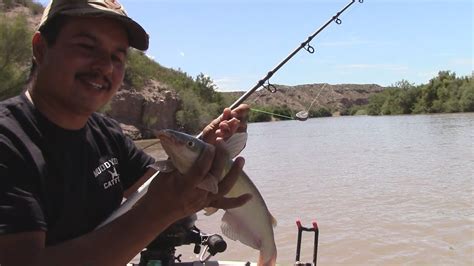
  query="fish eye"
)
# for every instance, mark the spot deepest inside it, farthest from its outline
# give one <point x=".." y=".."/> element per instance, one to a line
<point x="191" y="144"/>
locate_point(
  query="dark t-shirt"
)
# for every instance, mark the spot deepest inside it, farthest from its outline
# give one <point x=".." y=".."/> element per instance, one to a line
<point x="64" y="182"/>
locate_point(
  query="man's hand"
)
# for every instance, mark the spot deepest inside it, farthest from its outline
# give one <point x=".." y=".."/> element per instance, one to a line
<point x="176" y="195"/>
<point x="227" y="124"/>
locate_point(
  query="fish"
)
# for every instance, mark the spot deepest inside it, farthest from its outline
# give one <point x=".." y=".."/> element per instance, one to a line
<point x="251" y="224"/>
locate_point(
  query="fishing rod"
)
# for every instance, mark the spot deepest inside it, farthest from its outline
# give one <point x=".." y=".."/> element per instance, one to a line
<point x="264" y="82"/>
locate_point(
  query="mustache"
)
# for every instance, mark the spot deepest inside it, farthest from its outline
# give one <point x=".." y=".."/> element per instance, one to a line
<point x="95" y="76"/>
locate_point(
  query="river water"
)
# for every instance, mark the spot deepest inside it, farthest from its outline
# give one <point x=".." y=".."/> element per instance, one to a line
<point x="383" y="190"/>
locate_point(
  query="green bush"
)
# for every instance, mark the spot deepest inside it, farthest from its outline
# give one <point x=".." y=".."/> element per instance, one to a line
<point x="283" y="112"/>
<point x="189" y="116"/>
<point x="466" y="101"/>
<point x="139" y="69"/>
<point x="444" y="93"/>
<point x="360" y="112"/>
<point x="201" y="102"/>
<point x="321" y="112"/>
<point x="260" y="114"/>
<point x="15" y="55"/>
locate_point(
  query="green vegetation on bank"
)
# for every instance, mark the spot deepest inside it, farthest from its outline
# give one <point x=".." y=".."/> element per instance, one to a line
<point x="269" y="113"/>
<point x="200" y="101"/>
<point x="445" y="93"/>
<point x="15" y="54"/>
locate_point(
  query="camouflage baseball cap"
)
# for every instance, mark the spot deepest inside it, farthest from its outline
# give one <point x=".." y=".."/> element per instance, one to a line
<point x="138" y="38"/>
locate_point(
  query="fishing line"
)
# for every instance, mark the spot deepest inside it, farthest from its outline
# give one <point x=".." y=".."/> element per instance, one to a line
<point x="270" y="113"/>
<point x="303" y="115"/>
<point x="267" y="112"/>
<point x="317" y="96"/>
<point x="264" y="82"/>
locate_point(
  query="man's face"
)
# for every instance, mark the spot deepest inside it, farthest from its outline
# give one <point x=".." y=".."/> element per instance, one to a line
<point x="84" y="68"/>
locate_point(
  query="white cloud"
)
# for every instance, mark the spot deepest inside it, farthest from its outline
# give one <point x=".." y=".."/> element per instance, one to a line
<point x="181" y="54"/>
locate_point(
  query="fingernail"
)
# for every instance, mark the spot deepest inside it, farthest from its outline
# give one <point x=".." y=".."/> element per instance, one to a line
<point x="241" y="162"/>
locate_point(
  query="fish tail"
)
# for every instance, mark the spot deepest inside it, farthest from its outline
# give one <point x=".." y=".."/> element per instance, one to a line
<point x="269" y="262"/>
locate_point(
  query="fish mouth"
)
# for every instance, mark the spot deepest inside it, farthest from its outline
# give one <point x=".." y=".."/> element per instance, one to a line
<point x="167" y="138"/>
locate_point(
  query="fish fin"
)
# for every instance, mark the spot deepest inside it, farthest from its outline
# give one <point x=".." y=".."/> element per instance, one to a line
<point x="270" y="262"/>
<point x="210" y="210"/>
<point x="233" y="229"/>
<point x="236" y="143"/>
<point x="209" y="184"/>
<point x="274" y="221"/>
<point x="164" y="166"/>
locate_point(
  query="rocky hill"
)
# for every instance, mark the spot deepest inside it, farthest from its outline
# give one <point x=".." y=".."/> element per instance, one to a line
<point x="336" y="98"/>
<point x="142" y="112"/>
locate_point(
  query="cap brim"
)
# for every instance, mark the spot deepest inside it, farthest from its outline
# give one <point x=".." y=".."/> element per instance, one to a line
<point x="138" y="38"/>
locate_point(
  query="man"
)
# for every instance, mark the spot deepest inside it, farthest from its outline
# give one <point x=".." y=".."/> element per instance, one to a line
<point x="65" y="168"/>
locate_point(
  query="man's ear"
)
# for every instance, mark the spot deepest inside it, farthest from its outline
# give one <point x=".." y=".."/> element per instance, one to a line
<point x="39" y="47"/>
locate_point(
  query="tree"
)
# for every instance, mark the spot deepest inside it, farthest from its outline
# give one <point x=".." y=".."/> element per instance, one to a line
<point x="467" y="97"/>
<point x="321" y="112"/>
<point x="376" y="102"/>
<point x="188" y="116"/>
<point x="205" y="87"/>
<point x="444" y="93"/>
<point x="260" y="114"/>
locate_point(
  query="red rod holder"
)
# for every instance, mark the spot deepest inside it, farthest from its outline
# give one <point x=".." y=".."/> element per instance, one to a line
<point x="314" y="229"/>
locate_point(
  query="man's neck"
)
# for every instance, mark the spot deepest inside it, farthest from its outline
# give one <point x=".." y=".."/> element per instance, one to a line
<point x="63" y="119"/>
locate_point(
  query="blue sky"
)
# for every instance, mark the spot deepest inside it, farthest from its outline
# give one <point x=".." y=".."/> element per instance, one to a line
<point x="379" y="41"/>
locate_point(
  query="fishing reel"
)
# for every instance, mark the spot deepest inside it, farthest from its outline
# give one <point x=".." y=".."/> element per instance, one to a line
<point x="161" y="251"/>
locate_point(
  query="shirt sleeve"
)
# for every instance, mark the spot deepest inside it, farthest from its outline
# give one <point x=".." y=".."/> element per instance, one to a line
<point x="20" y="210"/>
